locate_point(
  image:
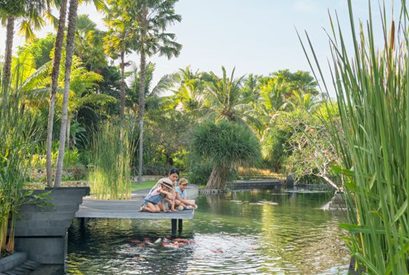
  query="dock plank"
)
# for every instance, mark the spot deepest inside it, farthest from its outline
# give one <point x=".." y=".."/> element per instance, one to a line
<point x="128" y="209"/>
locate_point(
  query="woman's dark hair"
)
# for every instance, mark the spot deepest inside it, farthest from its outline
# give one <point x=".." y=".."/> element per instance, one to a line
<point x="174" y="171"/>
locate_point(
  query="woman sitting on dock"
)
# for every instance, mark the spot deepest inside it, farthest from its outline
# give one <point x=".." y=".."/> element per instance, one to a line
<point x="181" y="196"/>
<point x="162" y="191"/>
<point x="173" y="175"/>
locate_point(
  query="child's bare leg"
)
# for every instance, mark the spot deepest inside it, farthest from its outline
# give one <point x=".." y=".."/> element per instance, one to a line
<point x="157" y="208"/>
<point x="149" y="207"/>
<point x="162" y="207"/>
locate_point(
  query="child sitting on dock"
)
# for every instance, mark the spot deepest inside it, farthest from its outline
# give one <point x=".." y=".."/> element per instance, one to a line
<point x="181" y="196"/>
<point x="162" y="191"/>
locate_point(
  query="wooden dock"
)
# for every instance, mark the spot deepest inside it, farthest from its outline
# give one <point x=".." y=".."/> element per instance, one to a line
<point x="130" y="210"/>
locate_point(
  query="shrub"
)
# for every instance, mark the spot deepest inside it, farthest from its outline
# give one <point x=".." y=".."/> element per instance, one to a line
<point x="225" y="145"/>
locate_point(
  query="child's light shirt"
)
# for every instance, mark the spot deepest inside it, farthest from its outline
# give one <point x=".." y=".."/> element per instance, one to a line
<point x="181" y="193"/>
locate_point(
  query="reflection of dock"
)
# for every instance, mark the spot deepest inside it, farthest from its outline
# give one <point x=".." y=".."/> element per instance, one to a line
<point x="130" y="210"/>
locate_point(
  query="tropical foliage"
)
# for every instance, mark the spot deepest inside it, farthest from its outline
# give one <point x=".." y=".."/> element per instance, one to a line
<point x="82" y="95"/>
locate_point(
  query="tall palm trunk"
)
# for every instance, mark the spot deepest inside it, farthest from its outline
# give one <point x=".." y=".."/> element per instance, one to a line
<point x="54" y="85"/>
<point x="122" y="87"/>
<point x="141" y="111"/>
<point x="72" y="22"/>
<point x="8" y="54"/>
<point x="68" y="131"/>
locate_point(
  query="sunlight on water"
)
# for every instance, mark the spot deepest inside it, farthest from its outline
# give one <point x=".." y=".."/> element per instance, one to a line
<point x="238" y="233"/>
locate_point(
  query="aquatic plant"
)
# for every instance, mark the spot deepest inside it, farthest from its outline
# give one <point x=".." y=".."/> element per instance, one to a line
<point x="372" y="90"/>
<point x="18" y="132"/>
<point x="112" y="149"/>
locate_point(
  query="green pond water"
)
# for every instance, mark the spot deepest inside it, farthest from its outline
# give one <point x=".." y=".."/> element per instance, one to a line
<point x="252" y="232"/>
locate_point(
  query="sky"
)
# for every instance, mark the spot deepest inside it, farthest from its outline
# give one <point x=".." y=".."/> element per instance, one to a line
<point x="252" y="36"/>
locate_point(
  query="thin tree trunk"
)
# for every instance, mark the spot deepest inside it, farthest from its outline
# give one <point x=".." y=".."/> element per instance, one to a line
<point x="217" y="178"/>
<point x="122" y="87"/>
<point x="68" y="131"/>
<point x="141" y="112"/>
<point x="72" y="22"/>
<point x="54" y="86"/>
<point x="330" y="182"/>
<point x="8" y="55"/>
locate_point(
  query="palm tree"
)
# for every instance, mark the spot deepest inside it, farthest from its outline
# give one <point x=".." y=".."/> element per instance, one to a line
<point x="119" y="40"/>
<point x="55" y="73"/>
<point x="54" y="85"/>
<point x="152" y="18"/>
<point x="9" y="12"/>
<point x="72" y="22"/>
<point x="189" y="96"/>
<point x="225" y="98"/>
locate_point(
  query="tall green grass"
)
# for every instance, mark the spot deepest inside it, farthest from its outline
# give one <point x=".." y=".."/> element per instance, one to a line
<point x="110" y="178"/>
<point x="372" y="90"/>
<point x="18" y="134"/>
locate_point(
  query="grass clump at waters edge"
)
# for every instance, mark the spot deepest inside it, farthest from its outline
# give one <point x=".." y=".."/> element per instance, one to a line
<point x="372" y="89"/>
<point x="19" y="132"/>
<point x="110" y="176"/>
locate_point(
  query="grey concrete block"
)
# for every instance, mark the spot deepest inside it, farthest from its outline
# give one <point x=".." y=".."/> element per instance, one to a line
<point x="43" y="250"/>
<point x="42" y="232"/>
<point x="12" y="261"/>
<point x="49" y="270"/>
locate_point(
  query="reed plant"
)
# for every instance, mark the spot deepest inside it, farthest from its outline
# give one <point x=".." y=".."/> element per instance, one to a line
<point x="18" y="134"/>
<point x="372" y="91"/>
<point x="110" y="176"/>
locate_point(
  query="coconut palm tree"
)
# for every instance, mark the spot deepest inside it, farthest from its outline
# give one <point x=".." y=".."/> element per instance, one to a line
<point x="99" y="4"/>
<point x="224" y="96"/>
<point x="189" y="96"/>
<point x="72" y="22"/>
<point x="152" y="18"/>
<point x="54" y="85"/>
<point x="9" y="12"/>
<point x="120" y="38"/>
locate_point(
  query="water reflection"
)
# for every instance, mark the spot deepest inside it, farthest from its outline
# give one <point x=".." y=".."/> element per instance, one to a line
<point x="239" y="232"/>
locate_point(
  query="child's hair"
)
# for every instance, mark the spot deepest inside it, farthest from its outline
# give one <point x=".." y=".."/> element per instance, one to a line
<point x="174" y="171"/>
<point x="182" y="180"/>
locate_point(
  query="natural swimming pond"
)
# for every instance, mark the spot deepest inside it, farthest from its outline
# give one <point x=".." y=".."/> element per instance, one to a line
<point x="252" y="232"/>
